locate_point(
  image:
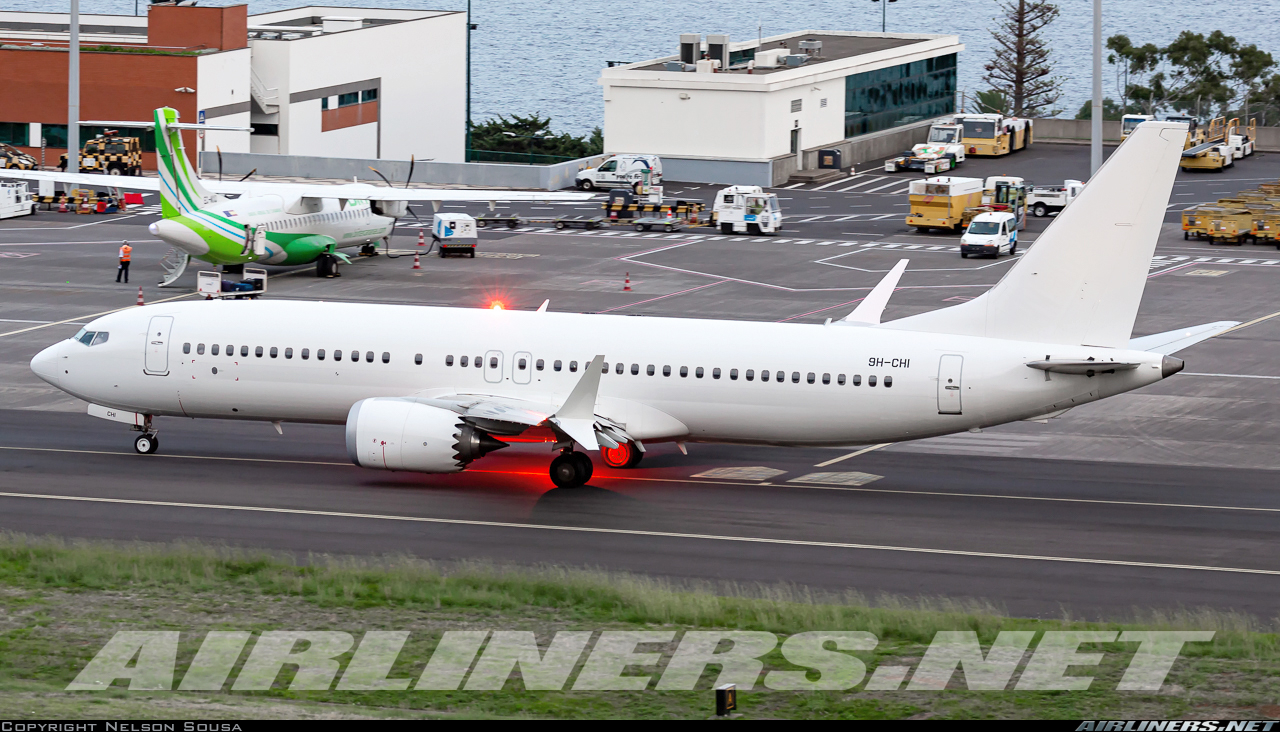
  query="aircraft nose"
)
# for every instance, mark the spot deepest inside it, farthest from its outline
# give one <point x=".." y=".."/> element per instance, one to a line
<point x="45" y="364"/>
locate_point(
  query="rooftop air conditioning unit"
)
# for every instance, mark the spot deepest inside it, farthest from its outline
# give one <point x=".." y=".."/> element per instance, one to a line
<point x="811" y="47"/>
<point x="796" y="59"/>
<point x="718" y="48"/>
<point x="770" y="59"/>
<point x="690" y="46"/>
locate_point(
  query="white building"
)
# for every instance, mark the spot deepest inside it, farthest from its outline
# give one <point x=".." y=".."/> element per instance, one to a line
<point x="757" y="111"/>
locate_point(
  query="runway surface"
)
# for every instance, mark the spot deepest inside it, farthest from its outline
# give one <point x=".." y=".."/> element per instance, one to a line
<point x="1161" y="498"/>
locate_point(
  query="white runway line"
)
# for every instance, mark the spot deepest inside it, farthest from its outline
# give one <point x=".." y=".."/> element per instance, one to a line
<point x="1228" y="376"/>
<point x="885" y="216"/>
<point x="639" y="532"/>
<point x="866" y="182"/>
<point x="881" y="188"/>
<point x="825" y="186"/>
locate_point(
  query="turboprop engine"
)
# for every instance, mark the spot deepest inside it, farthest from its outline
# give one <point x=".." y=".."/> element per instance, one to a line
<point x="385" y="433"/>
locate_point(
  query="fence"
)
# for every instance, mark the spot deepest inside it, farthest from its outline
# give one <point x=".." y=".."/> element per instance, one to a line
<point x="516" y="158"/>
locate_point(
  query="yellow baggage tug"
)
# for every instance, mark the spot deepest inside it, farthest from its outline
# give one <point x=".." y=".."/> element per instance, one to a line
<point x="940" y="202"/>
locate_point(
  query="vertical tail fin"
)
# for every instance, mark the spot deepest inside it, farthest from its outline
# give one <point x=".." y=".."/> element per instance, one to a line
<point x="1082" y="281"/>
<point x="180" y="190"/>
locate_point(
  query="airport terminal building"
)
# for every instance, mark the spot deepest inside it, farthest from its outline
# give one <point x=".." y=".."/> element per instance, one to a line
<point x="758" y="111"/>
<point x="311" y="81"/>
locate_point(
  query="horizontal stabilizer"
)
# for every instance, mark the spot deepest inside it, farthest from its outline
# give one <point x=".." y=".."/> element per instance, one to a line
<point x="872" y="306"/>
<point x="1085" y="367"/>
<point x="1176" y="340"/>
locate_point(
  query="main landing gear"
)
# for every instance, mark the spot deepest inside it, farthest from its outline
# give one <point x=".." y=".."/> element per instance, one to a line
<point x="625" y="455"/>
<point x="147" y="443"/>
<point x="571" y="469"/>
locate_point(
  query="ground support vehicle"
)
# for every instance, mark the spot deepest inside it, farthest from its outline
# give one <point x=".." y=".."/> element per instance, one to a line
<point x="1214" y="155"/>
<point x="1130" y="122"/>
<point x="595" y="222"/>
<point x="648" y="223"/>
<point x="940" y="202"/>
<point x="1044" y="200"/>
<point x="454" y="233"/>
<point x="12" y="157"/>
<point x="251" y="284"/>
<point x="940" y="153"/>
<point x="617" y="210"/>
<point x="622" y="171"/>
<point x="1240" y="139"/>
<point x="511" y="222"/>
<point x="746" y="210"/>
<point x="1266" y="224"/>
<point x="110" y="154"/>
<point x="993" y="134"/>
<point x="990" y="234"/>
<point x="1007" y="193"/>
<point x="1229" y="225"/>
<point x="1195" y="223"/>
<point x="15" y="200"/>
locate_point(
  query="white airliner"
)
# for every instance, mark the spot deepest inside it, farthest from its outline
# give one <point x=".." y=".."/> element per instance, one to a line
<point x="433" y="389"/>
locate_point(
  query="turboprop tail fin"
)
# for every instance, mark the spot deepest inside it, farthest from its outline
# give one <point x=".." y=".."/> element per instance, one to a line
<point x="180" y="190"/>
<point x="1082" y="280"/>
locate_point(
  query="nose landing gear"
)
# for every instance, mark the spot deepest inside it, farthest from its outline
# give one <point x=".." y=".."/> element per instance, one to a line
<point x="571" y="469"/>
<point x="147" y="443"/>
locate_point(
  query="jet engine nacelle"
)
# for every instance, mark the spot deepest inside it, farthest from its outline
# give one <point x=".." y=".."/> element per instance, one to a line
<point x="400" y="434"/>
<point x="394" y="209"/>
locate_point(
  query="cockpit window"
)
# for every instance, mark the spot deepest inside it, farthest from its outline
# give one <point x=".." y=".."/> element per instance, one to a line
<point x="91" y="337"/>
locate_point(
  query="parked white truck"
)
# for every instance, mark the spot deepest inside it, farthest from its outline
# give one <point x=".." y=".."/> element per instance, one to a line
<point x="941" y="152"/>
<point x="622" y="171"/>
<point x="1045" y="200"/>
<point x="746" y="209"/>
<point x="15" y="200"/>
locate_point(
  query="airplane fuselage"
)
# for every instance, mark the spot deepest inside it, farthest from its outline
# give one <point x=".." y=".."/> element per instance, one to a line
<point x="666" y="379"/>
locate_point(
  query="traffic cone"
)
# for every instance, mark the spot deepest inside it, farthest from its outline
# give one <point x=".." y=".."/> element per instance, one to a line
<point x="140" y="295"/>
<point x="416" y="264"/>
<point x="626" y="287"/>
<point x="422" y="239"/>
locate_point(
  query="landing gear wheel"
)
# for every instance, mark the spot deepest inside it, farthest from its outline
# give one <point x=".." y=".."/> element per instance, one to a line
<point x="625" y="455"/>
<point x="146" y="444"/>
<point x="570" y="470"/>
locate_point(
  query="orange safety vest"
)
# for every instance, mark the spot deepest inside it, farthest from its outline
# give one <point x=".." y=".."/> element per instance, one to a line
<point x="125" y="251"/>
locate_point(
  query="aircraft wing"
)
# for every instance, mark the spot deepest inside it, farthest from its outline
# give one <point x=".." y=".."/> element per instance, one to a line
<point x="500" y="415"/>
<point x="95" y="181"/>
<point x="371" y="192"/>
<point x="1176" y="340"/>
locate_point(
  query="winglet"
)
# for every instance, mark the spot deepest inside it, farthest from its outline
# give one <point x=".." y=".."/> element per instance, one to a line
<point x="543" y="307"/>
<point x="872" y="306"/>
<point x="577" y="416"/>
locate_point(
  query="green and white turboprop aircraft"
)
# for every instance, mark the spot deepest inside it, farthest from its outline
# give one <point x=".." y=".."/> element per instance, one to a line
<point x="266" y="223"/>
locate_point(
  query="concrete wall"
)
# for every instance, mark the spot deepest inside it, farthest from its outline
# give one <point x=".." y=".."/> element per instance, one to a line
<point x="1268" y="139"/>
<point x="722" y="172"/>
<point x="1077" y="131"/>
<point x="482" y="175"/>
<point x="874" y="146"/>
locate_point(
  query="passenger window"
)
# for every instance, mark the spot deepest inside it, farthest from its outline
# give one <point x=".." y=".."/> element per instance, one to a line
<point x="751" y="374"/>
<point x="355" y="356"/>
<point x="522" y="364"/>
<point x="604" y="368"/>
<point x="417" y="359"/>
<point x="715" y="373"/>
<point x="649" y="370"/>
<point x="635" y="369"/>
<point x="288" y="353"/>
<point x="857" y="379"/>
<point x="448" y="360"/>
<point x="477" y="362"/>
<point x="368" y="356"/>
<point x="780" y="376"/>
<point x="462" y="361"/>
<point x="573" y="366"/>
<point x="764" y="374"/>
<point x="888" y="381"/>
<point x="684" y="372"/>
<point x="698" y="372"/>
<point x="319" y="354"/>
<point x="200" y="349"/>
<point x="186" y="348"/>
<point x="811" y="378"/>
<point x="539" y="364"/>
<point x="826" y="378"/>
<point x="620" y="368"/>
<point x="274" y="352"/>
<point x="213" y="349"/>
<point x="493" y="362"/>
<point x="733" y="374"/>
<point x="871" y="380"/>
<point x="257" y="351"/>
<point x="337" y="355"/>
<point x="244" y="350"/>
<point x="840" y="379"/>
<point x="557" y="365"/>
<point x="386" y="357"/>
<point x="306" y="354"/>
<point x="231" y="350"/>
<point x="666" y="370"/>
<point x="795" y="377"/>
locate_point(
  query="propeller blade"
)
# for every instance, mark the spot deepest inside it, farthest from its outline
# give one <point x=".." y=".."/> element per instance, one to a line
<point x="413" y="213"/>
<point x="246" y="175"/>
<point x="383" y="177"/>
<point x="406" y="180"/>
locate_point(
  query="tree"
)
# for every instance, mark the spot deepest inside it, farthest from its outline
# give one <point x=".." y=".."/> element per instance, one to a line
<point x="1199" y="74"/>
<point x="1110" y="110"/>
<point x="1021" y="70"/>
<point x="532" y="134"/>
<point x="991" y="101"/>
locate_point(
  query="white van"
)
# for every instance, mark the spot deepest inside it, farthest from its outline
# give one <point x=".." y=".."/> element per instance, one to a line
<point x="622" y="171"/>
<point x="990" y="234"/>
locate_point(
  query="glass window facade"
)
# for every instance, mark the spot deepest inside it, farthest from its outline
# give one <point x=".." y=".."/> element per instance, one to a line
<point x="15" y="133"/>
<point x="899" y="95"/>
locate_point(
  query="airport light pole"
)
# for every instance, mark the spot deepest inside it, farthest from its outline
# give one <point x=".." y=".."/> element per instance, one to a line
<point x="466" y="151"/>
<point x="73" y="91"/>
<point x="1095" y="114"/>
<point x="884" y="12"/>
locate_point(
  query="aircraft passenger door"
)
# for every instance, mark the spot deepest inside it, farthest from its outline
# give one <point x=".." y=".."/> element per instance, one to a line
<point x="157" y="358"/>
<point x="493" y="367"/>
<point x="949" y="368"/>
<point x="522" y="368"/>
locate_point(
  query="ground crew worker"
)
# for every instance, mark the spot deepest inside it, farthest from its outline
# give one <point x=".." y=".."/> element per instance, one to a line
<point x="126" y="253"/>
